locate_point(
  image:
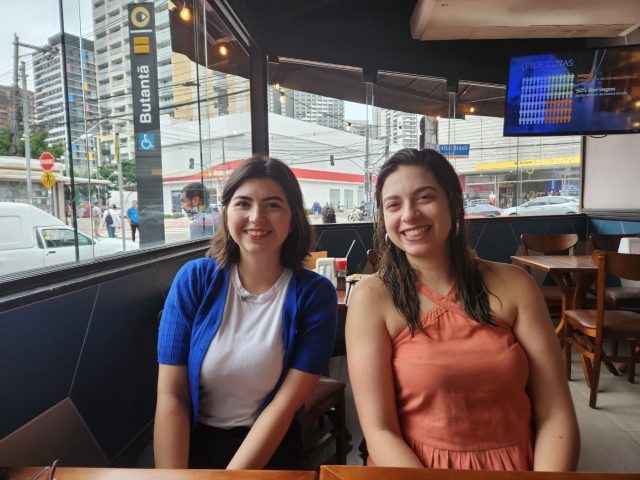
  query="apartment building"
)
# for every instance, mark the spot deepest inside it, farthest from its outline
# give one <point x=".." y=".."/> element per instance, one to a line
<point x="398" y="127"/>
<point x="81" y="95"/>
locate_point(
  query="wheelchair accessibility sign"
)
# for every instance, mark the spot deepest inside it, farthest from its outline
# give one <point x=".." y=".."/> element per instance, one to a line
<point x="146" y="141"/>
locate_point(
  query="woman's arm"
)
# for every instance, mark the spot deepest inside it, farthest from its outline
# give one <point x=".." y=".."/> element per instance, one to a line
<point x="557" y="440"/>
<point x="172" y="423"/>
<point x="369" y="359"/>
<point x="274" y="421"/>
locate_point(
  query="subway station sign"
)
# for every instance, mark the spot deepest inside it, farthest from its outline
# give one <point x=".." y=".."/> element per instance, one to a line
<point x="146" y="122"/>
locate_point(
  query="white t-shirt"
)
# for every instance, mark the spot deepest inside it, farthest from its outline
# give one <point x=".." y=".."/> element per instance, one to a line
<point x="245" y="359"/>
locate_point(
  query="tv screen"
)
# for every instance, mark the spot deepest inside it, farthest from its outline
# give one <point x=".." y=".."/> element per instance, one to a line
<point x="574" y="93"/>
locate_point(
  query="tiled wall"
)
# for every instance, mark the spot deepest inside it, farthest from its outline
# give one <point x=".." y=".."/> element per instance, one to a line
<point x="611" y="227"/>
<point x="78" y="371"/>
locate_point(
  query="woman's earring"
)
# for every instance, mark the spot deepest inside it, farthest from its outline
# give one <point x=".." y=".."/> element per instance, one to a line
<point x="386" y="237"/>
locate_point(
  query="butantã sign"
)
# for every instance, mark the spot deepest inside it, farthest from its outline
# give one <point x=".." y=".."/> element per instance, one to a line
<point x="146" y="121"/>
<point x="46" y="161"/>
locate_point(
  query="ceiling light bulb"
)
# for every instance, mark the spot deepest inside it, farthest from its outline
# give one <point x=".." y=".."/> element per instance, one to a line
<point x="400" y="130"/>
<point x="223" y="50"/>
<point x="282" y="98"/>
<point x="472" y="109"/>
<point x="438" y="118"/>
<point x="235" y="132"/>
<point x="348" y="129"/>
<point x="185" y="13"/>
<point x="276" y="86"/>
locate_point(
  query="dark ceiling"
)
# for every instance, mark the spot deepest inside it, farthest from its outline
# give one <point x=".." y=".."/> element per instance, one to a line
<point x="376" y="34"/>
<point x="372" y="35"/>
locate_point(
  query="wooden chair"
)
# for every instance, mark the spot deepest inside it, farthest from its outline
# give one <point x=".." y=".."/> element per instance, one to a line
<point x="617" y="297"/>
<point x="373" y="256"/>
<point x="326" y="399"/>
<point x="549" y="244"/>
<point x="585" y="330"/>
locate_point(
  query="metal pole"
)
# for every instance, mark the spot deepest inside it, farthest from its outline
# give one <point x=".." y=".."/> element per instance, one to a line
<point x="67" y="114"/>
<point x="117" y="152"/>
<point x="27" y="139"/>
<point x="16" y="96"/>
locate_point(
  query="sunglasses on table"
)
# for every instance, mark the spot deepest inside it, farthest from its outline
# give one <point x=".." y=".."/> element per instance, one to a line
<point x="49" y="471"/>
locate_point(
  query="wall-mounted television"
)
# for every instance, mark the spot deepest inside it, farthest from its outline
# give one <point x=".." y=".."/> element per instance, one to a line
<point x="575" y="93"/>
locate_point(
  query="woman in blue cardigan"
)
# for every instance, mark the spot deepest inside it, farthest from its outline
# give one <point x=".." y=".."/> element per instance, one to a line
<point x="245" y="333"/>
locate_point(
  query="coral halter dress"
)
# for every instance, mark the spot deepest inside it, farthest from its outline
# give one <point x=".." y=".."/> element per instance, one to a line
<point x="460" y="391"/>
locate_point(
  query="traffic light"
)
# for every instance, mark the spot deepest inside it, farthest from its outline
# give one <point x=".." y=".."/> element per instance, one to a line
<point x="192" y="163"/>
<point x="331" y="160"/>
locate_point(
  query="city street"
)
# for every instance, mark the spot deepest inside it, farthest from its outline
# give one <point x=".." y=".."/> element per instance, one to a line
<point x="177" y="229"/>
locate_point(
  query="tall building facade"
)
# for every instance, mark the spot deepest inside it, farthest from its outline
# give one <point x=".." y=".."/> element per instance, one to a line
<point x="82" y="95"/>
<point x="179" y="85"/>
<point x="399" y="128"/>
<point x="324" y="111"/>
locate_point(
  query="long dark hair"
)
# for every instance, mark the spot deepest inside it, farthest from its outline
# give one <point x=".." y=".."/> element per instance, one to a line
<point x="396" y="272"/>
<point x="298" y="243"/>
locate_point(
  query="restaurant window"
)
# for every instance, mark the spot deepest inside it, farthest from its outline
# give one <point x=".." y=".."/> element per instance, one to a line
<point x="145" y="119"/>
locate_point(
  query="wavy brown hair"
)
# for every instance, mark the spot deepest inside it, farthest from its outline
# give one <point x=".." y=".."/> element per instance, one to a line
<point x="396" y="272"/>
<point x="298" y="243"/>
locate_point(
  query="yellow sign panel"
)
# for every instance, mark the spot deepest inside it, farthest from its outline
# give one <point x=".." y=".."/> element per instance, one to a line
<point x="540" y="162"/>
<point x="141" y="45"/>
<point x="48" y="180"/>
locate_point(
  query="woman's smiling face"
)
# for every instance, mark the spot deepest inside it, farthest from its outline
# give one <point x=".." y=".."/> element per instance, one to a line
<point x="416" y="212"/>
<point x="259" y="217"/>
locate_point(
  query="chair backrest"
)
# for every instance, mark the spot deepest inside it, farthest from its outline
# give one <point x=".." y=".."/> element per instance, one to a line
<point x="548" y="244"/>
<point x="610" y="243"/>
<point x="621" y="265"/>
<point x="373" y="256"/>
<point x="310" y="261"/>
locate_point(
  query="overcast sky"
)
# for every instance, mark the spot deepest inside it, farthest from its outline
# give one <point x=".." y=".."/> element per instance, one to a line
<point x="35" y="21"/>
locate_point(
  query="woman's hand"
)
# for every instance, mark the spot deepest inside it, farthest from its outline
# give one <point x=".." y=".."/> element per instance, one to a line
<point x="369" y="355"/>
<point x="172" y="423"/>
<point x="274" y="421"/>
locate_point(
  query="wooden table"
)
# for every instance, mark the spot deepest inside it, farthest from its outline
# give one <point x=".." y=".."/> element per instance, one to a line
<point x="340" y="472"/>
<point x="560" y="267"/>
<point x="148" y="474"/>
<point x="342" y="306"/>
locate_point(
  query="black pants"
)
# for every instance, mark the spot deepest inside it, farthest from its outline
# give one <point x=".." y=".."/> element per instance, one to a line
<point x="134" y="227"/>
<point x="213" y="447"/>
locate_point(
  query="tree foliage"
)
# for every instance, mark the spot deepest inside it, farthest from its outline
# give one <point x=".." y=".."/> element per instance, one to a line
<point x="109" y="171"/>
<point x="38" y="142"/>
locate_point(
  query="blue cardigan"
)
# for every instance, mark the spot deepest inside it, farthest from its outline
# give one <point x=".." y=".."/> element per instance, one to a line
<point x="195" y="304"/>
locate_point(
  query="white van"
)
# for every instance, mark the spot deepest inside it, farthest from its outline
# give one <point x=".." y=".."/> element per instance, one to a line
<point x="31" y="238"/>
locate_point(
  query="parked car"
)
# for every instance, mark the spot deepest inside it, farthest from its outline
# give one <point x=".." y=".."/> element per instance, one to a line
<point x="549" y="205"/>
<point x="481" y="210"/>
<point x="31" y="238"/>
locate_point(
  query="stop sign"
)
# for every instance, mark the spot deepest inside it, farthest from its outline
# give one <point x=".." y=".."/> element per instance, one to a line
<point x="46" y="161"/>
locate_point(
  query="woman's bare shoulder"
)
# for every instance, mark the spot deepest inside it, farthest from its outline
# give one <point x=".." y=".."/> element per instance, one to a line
<point x="503" y="273"/>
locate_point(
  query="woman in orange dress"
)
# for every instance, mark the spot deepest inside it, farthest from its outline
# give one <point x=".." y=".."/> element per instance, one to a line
<point x="453" y="360"/>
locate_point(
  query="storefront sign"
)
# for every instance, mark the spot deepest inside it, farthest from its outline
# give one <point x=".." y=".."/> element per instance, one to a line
<point x="146" y="121"/>
<point x="539" y="162"/>
<point x="456" y="150"/>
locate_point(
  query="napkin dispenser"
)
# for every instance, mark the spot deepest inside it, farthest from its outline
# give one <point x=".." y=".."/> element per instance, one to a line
<point x="327" y="268"/>
<point x="629" y="245"/>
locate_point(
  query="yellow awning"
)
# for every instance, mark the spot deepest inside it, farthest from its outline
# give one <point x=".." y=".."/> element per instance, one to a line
<point x="540" y="162"/>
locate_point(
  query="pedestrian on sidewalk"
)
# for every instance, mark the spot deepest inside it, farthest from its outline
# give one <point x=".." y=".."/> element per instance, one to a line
<point x="111" y="220"/>
<point x="96" y="216"/>
<point x="132" y="218"/>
